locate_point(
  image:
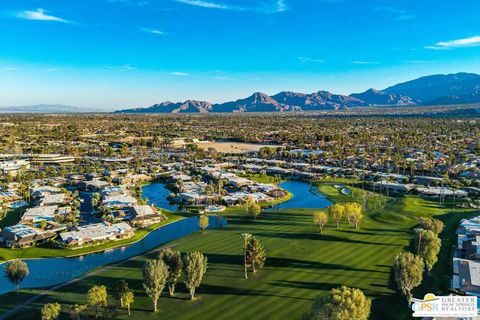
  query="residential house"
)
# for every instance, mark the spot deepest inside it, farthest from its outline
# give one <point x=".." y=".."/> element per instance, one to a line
<point x="143" y="215"/>
<point x="37" y="214"/>
<point x="92" y="233"/>
<point x="94" y="185"/>
<point x="22" y="235"/>
<point x="466" y="258"/>
<point x="13" y="166"/>
<point x="120" y="200"/>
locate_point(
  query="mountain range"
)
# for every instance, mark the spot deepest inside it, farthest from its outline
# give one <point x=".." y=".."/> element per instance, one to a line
<point x="458" y="88"/>
<point x="449" y="89"/>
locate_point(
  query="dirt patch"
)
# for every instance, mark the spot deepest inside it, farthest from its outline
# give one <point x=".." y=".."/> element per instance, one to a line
<point x="233" y="147"/>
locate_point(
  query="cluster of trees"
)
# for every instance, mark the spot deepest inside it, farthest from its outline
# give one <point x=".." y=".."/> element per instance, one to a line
<point x="342" y="303"/>
<point x="352" y="211"/>
<point x="409" y="267"/>
<point x="95" y="199"/>
<point x="167" y="270"/>
<point x="345" y="140"/>
<point x="97" y="298"/>
<point x="427" y="242"/>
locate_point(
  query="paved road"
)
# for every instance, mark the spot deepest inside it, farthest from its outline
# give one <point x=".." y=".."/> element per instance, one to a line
<point x="86" y="209"/>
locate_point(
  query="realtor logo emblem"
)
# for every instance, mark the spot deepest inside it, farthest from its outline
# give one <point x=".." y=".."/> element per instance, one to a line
<point x="444" y="306"/>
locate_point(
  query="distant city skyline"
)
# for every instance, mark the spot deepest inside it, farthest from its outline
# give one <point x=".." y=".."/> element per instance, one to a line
<point x="114" y="54"/>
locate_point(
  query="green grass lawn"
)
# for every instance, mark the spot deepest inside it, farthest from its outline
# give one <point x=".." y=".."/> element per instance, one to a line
<point x="301" y="265"/>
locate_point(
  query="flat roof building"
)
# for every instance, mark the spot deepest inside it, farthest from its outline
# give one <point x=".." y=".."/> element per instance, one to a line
<point x="21" y="235"/>
<point x="144" y="215"/>
<point x="54" y="158"/>
<point x="81" y="235"/>
<point x="37" y="214"/>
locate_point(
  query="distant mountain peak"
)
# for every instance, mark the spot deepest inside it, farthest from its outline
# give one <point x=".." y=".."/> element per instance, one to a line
<point x="430" y="88"/>
<point x="189" y="106"/>
<point x="373" y="90"/>
<point x="454" y="88"/>
<point x="260" y="97"/>
<point x="377" y="97"/>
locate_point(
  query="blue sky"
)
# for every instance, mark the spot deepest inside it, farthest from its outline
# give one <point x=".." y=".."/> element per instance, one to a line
<point x="129" y="53"/>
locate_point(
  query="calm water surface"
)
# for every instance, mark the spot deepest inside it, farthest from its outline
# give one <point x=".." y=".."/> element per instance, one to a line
<point x="47" y="272"/>
<point x="302" y="196"/>
<point x="157" y="194"/>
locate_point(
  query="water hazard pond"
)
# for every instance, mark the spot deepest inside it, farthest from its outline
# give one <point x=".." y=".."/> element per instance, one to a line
<point x="303" y="197"/>
<point x="48" y="272"/>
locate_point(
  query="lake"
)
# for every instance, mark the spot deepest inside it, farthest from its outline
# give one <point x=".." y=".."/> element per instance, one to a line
<point x="302" y="196"/>
<point x="157" y="195"/>
<point x="47" y="272"/>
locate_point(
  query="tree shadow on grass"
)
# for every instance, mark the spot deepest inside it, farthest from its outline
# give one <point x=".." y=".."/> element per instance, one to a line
<point x="261" y="222"/>
<point x="275" y="262"/>
<point x="305" y="285"/>
<point x="392" y="307"/>
<point x="225" y="290"/>
<point x="374" y="233"/>
<point x="403" y="231"/>
<point x="318" y="236"/>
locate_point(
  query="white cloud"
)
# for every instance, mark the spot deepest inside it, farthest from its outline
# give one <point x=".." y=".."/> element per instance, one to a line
<point x="180" y="74"/>
<point x="205" y="4"/>
<point x="281" y="6"/>
<point x="417" y="61"/>
<point x="364" y="62"/>
<point x="122" y="68"/>
<point x="131" y="2"/>
<point x="223" y="78"/>
<point x="264" y="7"/>
<point x="402" y="15"/>
<point x="39" y="14"/>
<point x="310" y="60"/>
<point x="154" y="31"/>
<point x="458" y="43"/>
